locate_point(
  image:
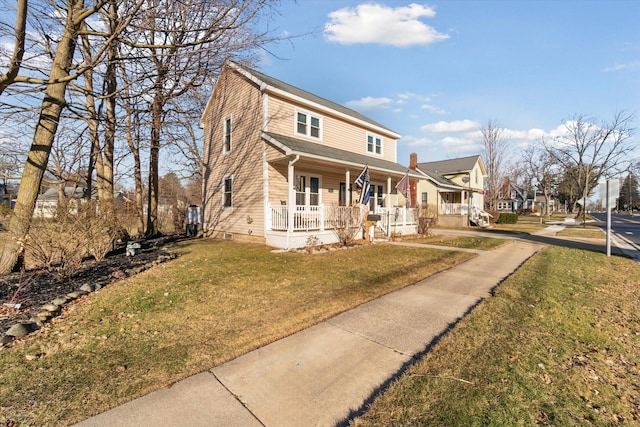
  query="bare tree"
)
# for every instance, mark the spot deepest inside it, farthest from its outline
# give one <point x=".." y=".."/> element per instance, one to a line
<point x="20" y="37"/>
<point x="541" y="170"/>
<point x="61" y="72"/>
<point x="588" y="151"/>
<point x="184" y="45"/>
<point x="494" y="156"/>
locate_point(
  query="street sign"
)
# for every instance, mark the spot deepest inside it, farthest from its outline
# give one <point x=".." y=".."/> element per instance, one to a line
<point x="609" y="193"/>
<point x="614" y="192"/>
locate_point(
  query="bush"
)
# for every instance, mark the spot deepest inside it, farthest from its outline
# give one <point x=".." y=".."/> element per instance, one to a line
<point x="427" y="218"/>
<point x="508" y="218"/>
<point x="495" y="216"/>
<point x="77" y="230"/>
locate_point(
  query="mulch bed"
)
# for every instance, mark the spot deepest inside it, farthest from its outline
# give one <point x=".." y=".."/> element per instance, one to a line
<point x="34" y="288"/>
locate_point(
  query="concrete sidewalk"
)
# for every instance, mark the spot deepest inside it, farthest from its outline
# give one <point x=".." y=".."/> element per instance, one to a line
<point x="325" y="374"/>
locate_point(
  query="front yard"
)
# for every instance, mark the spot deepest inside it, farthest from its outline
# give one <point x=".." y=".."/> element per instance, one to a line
<point x="216" y="301"/>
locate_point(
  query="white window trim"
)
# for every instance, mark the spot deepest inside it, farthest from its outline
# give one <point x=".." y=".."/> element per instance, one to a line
<point x="309" y="115"/>
<point x="224" y="135"/>
<point x="224" y="179"/>
<point x="366" y="144"/>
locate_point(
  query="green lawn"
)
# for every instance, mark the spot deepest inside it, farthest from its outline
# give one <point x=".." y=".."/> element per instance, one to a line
<point x="216" y="301"/>
<point x="558" y="344"/>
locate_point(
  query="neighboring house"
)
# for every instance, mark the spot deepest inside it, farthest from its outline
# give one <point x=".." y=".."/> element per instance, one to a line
<point x="456" y="187"/>
<point x="47" y="202"/>
<point x="512" y="198"/>
<point x="280" y="164"/>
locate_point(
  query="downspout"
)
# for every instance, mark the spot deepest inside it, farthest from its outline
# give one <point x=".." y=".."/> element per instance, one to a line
<point x="292" y="199"/>
<point x="388" y="203"/>
<point x="267" y="225"/>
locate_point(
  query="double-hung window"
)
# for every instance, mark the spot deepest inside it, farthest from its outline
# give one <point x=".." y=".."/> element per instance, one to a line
<point x="227" y="191"/>
<point x="307" y="190"/>
<point x="308" y="124"/>
<point x="374" y="144"/>
<point x="227" y="135"/>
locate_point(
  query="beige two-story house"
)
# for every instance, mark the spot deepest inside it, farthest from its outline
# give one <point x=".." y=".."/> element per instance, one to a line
<point x="281" y="164"/>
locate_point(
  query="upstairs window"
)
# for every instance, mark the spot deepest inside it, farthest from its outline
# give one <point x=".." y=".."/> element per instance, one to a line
<point x="308" y="124"/>
<point x="227" y="135"/>
<point x="374" y="145"/>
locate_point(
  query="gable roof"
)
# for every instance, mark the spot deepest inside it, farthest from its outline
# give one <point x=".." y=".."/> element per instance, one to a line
<point x="440" y="181"/>
<point x="294" y="146"/>
<point x="271" y="84"/>
<point x="452" y="166"/>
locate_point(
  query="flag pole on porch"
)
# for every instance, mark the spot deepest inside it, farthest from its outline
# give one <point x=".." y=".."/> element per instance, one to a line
<point x="363" y="182"/>
<point x="404" y="187"/>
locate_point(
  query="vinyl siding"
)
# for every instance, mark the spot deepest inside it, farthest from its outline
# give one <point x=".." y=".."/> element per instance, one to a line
<point x="236" y="97"/>
<point x="335" y="132"/>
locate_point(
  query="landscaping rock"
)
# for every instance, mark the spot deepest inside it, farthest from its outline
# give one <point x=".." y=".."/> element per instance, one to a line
<point x="51" y="307"/>
<point x="45" y="315"/>
<point x="60" y="301"/>
<point x="118" y="274"/>
<point x="19" y="330"/>
<point x="6" y="339"/>
<point x="76" y="294"/>
<point x="87" y="287"/>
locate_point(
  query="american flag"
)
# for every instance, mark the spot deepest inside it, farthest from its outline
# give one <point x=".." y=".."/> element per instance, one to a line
<point x="403" y="187"/>
<point x="362" y="181"/>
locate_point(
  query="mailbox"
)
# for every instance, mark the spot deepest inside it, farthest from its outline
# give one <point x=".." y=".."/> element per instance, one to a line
<point x="373" y="217"/>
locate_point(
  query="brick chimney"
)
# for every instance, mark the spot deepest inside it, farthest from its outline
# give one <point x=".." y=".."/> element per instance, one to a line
<point x="413" y="161"/>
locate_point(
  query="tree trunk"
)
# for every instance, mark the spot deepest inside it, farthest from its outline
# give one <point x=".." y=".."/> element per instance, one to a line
<point x="154" y="154"/>
<point x="18" y="49"/>
<point x="45" y="132"/>
<point x="110" y="81"/>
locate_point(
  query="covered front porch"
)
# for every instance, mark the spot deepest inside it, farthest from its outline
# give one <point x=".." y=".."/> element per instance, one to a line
<point x="325" y="224"/>
<point x="313" y="199"/>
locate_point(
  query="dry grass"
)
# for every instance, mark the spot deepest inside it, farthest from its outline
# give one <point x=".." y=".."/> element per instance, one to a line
<point x="215" y="302"/>
<point x="559" y="344"/>
<point x="582" y="232"/>
<point x="469" y="242"/>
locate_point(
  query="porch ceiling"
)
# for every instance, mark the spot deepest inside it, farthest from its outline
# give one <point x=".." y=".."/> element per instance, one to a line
<point x="310" y="150"/>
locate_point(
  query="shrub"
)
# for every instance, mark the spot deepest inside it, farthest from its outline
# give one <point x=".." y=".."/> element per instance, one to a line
<point x="77" y="230"/>
<point x="508" y="218"/>
<point x="495" y="216"/>
<point x="427" y="217"/>
<point x="346" y="223"/>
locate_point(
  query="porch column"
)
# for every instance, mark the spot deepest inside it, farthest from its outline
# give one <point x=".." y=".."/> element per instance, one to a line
<point x="347" y="193"/>
<point x="291" y="202"/>
<point x="388" y="206"/>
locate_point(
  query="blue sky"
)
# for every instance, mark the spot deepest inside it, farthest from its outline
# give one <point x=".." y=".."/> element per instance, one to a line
<point x="437" y="72"/>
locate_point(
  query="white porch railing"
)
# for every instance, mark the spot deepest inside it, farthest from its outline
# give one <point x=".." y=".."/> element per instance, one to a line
<point x="396" y="216"/>
<point x="308" y="218"/>
<point x="453" y="209"/>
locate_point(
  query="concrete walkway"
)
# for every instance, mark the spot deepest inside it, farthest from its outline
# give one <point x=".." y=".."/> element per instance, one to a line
<point x="326" y="374"/>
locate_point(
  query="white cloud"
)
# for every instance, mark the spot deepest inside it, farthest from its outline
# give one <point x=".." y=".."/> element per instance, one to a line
<point x="433" y="109"/>
<point x="526" y="135"/>
<point x="375" y="23"/>
<point x="369" y="103"/>
<point x="455" y="126"/>
<point x="630" y="66"/>
<point x="412" y="141"/>
<point x="460" y="144"/>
